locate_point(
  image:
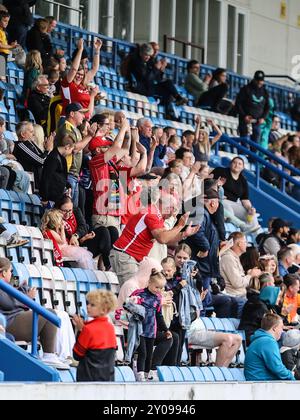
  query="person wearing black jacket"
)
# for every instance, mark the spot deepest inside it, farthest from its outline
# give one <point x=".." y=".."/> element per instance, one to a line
<point x="149" y="78"/>
<point x="205" y="250"/>
<point x="253" y="106"/>
<point x="21" y="19"/>
<point x="38" y="39"/>
<point x="28" y="154"/>
<point x="55" y="172"/>
<point x="39" y="100"/>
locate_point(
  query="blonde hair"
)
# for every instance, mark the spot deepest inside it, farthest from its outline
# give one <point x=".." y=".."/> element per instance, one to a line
<point x="264" y="260"/>
<point x="39" y="136"/>
<point x="34" y="61"/>
<point x="52" y="219"/>
<point x="156" y="276"/>
<point x="204" y="146"/>
<point x="206" y="137"/>
<point x="103" y="300"/>
<point x="169" y="260"/>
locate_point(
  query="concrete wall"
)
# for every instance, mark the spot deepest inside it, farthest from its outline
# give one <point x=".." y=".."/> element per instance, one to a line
<point x="273" y="40"/>
<point x="152" y="392"/>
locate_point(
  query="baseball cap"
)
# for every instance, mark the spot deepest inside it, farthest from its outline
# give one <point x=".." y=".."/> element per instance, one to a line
<point x="211" y="194"/>
<point x="99" y="142"/>
<point x="279" y="224"/>
<point x="259" y="76"/>
<point x="75" y="107"/>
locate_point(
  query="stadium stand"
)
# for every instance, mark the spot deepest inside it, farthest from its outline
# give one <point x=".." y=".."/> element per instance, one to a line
<point x="65" y="288"/>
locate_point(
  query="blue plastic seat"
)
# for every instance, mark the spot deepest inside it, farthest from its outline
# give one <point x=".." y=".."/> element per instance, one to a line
<point x="186" y="374"/>
<point x="118" y="375"/>
<point x="238" y="375"/>
<point x="93" y="280"/>
<point x="18" y="210"/>
<point x="227" y="374"/>
<point x="177" y="375"/>
<point x="5" y="206"/>
<point x="71" y="302"/>
<point x="228" y="325"/>
<point x="209" y="325"/>
<point x="1" y="376"/>
<point x="219" y="326"/>
<point x="83" y="288"/>
<point x="218" y="374"/>
<point x="66" y="376"/>
<point x="165" y="374"/>
<point x="127" y="374"/>
<point x="208" y="375"/>
<point x="21" y="272"/>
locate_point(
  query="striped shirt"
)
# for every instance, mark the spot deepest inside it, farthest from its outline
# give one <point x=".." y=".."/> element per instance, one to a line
<point x="29" y="155"/>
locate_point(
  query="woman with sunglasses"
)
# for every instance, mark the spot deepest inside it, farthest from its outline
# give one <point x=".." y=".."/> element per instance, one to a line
<point x="98" y="242"/>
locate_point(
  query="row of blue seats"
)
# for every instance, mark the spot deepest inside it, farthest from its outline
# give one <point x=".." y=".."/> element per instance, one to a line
<point x="20" y="208"/>
<point x="197" y="374"/>
<point x="114" y="51"/>
<point x="124" y="374"/>
<point x="64" y="288"/>
<point x="37" y="250"/>
<point x="114" y="85"/>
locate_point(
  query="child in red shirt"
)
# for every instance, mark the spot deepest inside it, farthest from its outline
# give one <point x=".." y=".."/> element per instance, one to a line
<point x="96" y="345"/>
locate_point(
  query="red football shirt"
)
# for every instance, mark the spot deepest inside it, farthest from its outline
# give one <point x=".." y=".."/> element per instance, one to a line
<point x="74" y="93"/>
<point x="136" y="239"/>
<point x="106" y="186"/>
<point x="133" y="189"/>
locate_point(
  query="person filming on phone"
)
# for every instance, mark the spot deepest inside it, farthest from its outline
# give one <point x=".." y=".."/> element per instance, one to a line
<point x="236" y="201"/>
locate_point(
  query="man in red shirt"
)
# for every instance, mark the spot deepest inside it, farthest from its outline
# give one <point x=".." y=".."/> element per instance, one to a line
<point x="140" y="234"/>
<point x="107" y="189"/>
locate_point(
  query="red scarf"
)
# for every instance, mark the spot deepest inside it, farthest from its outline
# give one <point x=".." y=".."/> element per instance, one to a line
<point x="70" y="226"/>
<point x="56" y="249"/>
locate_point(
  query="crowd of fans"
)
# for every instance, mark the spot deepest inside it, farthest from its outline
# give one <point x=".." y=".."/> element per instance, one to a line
<point x="144" y="203"/>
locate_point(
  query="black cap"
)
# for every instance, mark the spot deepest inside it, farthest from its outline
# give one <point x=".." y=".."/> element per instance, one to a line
<point x="279" y="224"/>
<point x="210" y="183"/>
<point x="211" y="195"/>
<point x="259" y="76"/>
<point x="75" y="107"/>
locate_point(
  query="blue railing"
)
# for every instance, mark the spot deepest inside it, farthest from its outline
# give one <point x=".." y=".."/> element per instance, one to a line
<point x="260" y="161"/>
<point x="36" y="309"/>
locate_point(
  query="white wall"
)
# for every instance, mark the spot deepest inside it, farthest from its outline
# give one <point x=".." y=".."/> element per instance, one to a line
<point x="273" y="41"/>
<point x="152" y="392"/>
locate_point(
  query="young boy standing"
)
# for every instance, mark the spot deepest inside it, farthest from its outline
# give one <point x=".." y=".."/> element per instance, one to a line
<point x="5" y="48"/>
<point x="96" y="345"/>
<point x="55" y="172"/>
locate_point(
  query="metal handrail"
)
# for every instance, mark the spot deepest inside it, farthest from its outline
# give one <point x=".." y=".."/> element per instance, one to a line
<point x="65" y="6"/>
<point x="260" y="161"/>
<point x="185" y="44"/>
<point x="282" y="76"/>
<point x="36" y="309"/>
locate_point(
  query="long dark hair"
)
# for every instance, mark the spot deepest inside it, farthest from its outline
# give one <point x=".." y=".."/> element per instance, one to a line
<point x="62" y="201"/>
<point x="250" y="259"/>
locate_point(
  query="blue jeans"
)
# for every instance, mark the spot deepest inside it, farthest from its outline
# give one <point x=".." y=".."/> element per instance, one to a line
<point x="206" y="281"/>
<point x="74" y="182"/>
<point x="238" y="304"/>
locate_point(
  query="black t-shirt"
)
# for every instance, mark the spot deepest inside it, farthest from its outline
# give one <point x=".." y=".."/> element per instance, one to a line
<point x="234" y="189"/>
